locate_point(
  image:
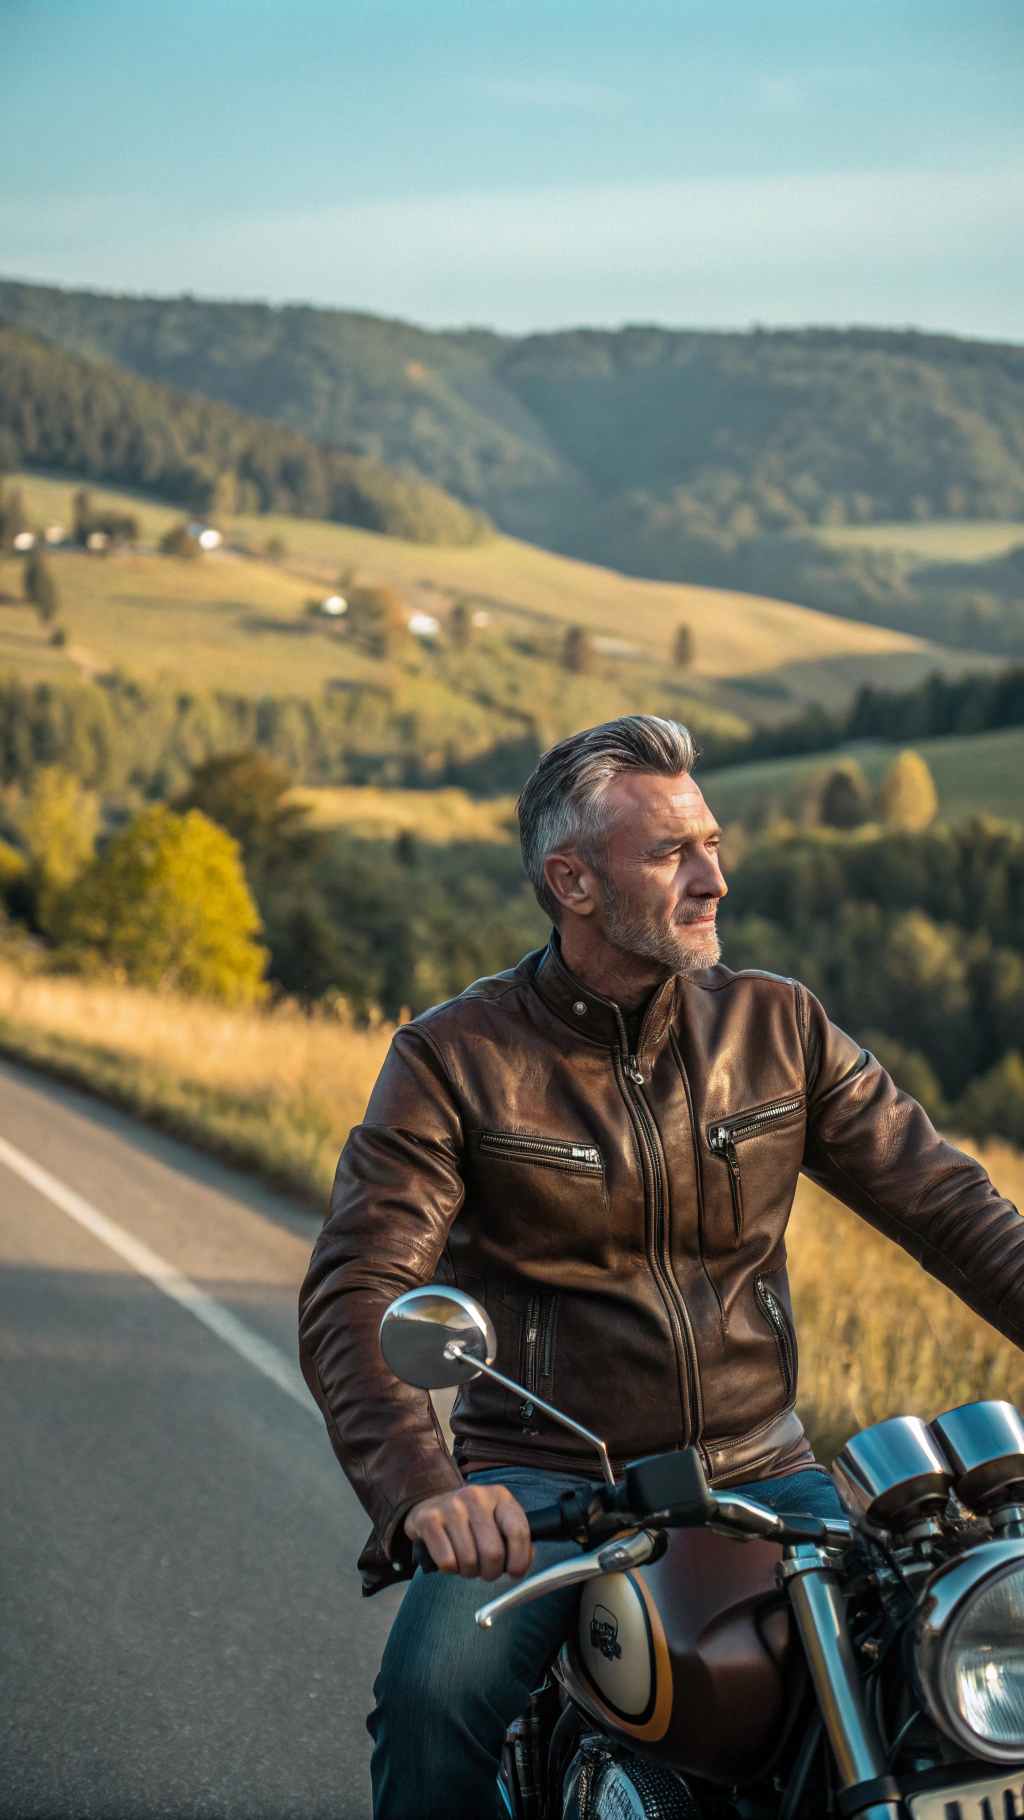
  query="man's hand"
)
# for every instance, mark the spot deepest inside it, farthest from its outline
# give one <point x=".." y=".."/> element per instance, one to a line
<point x="478" y="1531"/>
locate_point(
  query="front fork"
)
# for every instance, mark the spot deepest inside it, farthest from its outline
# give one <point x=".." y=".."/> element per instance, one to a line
<point x="866" y="1790"/>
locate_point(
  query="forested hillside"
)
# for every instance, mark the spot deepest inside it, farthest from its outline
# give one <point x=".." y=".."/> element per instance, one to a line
<point x="60" y="411"/>
<point x="687" y="456"/>
<point x="664" y="433"/>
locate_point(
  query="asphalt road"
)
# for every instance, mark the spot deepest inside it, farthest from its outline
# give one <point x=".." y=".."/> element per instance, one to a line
<point x="183" y="1632"/>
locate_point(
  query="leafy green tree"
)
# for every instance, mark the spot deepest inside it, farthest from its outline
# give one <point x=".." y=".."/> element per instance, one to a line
<point x="377" y="620"/>
<point x="910" y="1070"/>
<point x="58" y="822"/>
<point x="845" y="797"/>
<point x="40" y="587"/>
<point x="167" y="905"/>
<point x="995" y="1102"/>
<point x="907" y="797"/>
<point x="243" y="791"/>
<point x="179" y="542"/>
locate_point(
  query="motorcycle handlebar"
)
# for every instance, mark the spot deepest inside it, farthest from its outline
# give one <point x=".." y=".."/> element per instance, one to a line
<point x="547" y="1525"/>
<point x="738" y="1515"/>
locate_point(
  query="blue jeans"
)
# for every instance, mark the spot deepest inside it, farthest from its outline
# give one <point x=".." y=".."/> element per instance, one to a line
<point x="447" y="1692"/>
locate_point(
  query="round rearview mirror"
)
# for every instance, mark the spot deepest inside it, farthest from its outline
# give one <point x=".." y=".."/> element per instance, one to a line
<point x="430" y="1337"/>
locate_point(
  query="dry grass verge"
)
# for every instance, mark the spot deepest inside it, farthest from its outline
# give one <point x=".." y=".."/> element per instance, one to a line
<point x="878" y="1337"/>
<point x="278" y="1091"/>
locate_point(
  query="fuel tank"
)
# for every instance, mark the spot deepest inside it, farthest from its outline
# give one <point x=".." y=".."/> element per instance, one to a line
<point x="690" y="1658"/>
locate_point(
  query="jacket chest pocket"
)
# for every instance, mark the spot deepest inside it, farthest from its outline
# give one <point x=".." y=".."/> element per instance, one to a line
<point x="556" y="1153"/>
<point x="725" y="1136"/>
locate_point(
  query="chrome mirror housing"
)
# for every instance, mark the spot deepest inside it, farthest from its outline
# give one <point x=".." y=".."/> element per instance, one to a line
<point x="436" y="1337"/>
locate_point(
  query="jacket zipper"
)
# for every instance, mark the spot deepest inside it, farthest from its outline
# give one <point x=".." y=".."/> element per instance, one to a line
<point x="723" y="1139"/>
<point x="537" y="1334"/>
<point x="775" y="1315"/>
<point x="673" y="1301"/>
<point x="581" y="1159"/>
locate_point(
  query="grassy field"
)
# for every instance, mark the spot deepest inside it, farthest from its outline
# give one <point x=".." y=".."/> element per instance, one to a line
<point x="949" y="540"/>
<point x="278" y="1091"/>
<point x="976" y="773"/>
<point x="275" y="1091"/>
<point x="435" y="816"/>
<point x="236" y="620"/>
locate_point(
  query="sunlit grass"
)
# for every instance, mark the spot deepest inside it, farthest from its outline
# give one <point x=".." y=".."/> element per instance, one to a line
<point x="279" y="1091"/>
<point x="879" y="1337"/>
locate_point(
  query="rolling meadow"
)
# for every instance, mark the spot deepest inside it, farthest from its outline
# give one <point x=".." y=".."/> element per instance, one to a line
<point x="246" y="831"/>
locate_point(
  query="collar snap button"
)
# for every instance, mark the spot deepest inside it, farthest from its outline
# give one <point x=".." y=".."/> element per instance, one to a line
<point x="579" y="1007"/>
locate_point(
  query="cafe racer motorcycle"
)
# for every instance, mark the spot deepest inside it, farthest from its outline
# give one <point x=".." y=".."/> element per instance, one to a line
<point x="731" y="1663"/>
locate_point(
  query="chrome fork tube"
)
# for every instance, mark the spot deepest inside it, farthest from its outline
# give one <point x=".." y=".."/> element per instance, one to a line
<point x="820" y="1613"/>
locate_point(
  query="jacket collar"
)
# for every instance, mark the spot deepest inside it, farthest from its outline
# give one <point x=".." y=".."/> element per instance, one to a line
<point x="598" y="1019"/>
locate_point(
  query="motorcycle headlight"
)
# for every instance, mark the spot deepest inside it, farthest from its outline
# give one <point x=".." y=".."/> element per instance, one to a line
<point x="969" y="1650"/>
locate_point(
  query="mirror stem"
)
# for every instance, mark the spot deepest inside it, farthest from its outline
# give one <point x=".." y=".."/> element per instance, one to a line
<point x="456" y="1349"/>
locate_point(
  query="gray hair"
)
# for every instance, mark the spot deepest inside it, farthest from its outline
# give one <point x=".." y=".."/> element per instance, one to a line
<point x="562" y="804"/>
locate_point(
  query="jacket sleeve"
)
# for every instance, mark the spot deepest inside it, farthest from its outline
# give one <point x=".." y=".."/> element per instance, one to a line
<point x="396" y="1193"/>
<point x="877" y="1151"/>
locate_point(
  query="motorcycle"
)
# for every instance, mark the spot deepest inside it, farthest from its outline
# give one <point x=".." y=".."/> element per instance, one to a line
<point x="869" y="1667"/>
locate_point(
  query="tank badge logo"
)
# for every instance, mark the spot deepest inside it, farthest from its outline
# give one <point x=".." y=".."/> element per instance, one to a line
<point x="604" y="1629"/>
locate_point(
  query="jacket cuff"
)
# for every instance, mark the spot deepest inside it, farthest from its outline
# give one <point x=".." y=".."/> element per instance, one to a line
<point x="387" y="1558"/>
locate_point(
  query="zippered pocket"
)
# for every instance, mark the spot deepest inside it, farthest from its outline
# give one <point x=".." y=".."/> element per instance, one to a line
<point x="578" y="1159"/>
<point x="779" y="1322"/>
<point x="538" y="1337"/>
<point x="724" y="1135"/>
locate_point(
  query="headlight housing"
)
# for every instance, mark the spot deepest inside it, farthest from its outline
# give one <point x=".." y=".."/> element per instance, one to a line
<point x="969" y="1650"/>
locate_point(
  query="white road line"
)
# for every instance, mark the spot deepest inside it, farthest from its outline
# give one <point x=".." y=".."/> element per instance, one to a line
<point x="262" y="1354"/>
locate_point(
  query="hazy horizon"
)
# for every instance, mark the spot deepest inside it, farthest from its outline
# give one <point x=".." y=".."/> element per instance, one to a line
<point x="527" y="166"/>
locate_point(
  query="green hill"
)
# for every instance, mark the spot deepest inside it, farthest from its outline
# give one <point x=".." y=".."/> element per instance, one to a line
<point x="975" y="774"/>
<point x="664" y="437"/>
<point x="724" y="459"/>
<point x="58" y="410"/>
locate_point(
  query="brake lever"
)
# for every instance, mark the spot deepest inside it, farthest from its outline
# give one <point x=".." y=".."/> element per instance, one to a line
<point x="614" y="1558"/>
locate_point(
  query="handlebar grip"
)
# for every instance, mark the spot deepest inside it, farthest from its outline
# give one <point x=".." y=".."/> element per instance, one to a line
<point x="423" y="1559"/>
<point x="548" y="1524"/>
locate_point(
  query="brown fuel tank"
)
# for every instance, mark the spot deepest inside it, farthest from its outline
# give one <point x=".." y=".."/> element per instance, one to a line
<point x="686" y="1659"/>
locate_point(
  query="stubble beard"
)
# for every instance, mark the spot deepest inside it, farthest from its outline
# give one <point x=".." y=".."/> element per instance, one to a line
<point x="633" y="927"/>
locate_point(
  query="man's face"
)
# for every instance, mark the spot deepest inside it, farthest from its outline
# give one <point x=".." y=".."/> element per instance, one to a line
<point x="660" y="877"/>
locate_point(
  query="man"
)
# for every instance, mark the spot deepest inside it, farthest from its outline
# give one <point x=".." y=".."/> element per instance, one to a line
<point x="602" y="1146"/>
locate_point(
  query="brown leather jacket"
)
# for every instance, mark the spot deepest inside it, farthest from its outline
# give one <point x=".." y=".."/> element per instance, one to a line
<point x="623" y="1220"/>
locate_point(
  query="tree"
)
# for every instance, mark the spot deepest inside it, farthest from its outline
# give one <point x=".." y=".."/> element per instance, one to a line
<point x="995" y="1102"/>
<point x="907" y="797"/>
<point x="40" y="587"/>
<point x="57" y="821"/>
<point x="682" y="649"/>
<point x="167" y="905"/>
<point x="178" y="541"/>
<point x="845" y="797"/>
<point x="245" y="793"/>
<point x="12" y="517"/>
<point x="577" y="651"/>
<point x="377" y="620"/>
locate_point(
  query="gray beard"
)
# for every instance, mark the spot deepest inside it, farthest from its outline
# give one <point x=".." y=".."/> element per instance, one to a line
<point x="631" y="927"/>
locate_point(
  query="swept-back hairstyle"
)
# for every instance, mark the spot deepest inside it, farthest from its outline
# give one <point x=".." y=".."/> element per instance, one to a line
<point x="562" y="804"/>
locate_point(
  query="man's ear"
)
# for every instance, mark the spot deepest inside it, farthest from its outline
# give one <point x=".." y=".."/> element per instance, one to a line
<point x="572" y="883"/>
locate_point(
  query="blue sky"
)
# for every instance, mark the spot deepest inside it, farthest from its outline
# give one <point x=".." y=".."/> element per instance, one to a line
<point x="526" y="163"/>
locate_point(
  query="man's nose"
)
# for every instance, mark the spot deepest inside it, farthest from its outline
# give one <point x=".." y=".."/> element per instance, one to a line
<point x="707" y="880"/>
